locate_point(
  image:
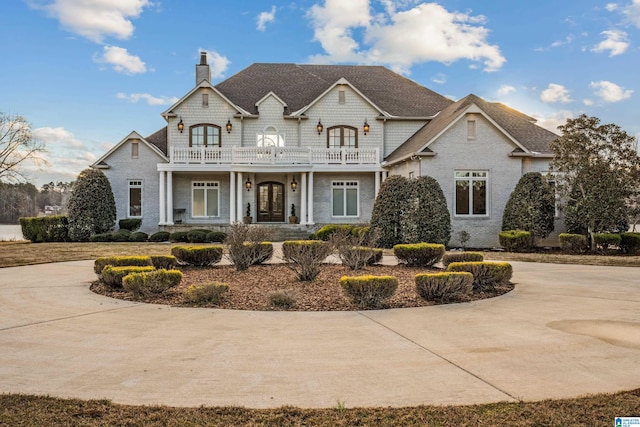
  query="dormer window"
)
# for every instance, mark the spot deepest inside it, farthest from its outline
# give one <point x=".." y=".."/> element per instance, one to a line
<point x="204" y="135"/>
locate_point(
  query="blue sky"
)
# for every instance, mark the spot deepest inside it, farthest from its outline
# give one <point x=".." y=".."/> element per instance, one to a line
<point x="85" y="73"/>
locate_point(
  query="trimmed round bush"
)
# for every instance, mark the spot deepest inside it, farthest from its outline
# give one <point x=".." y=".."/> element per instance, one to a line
<point x="163" y="261"/>
<point x="112" y="276"/>
<point x="197" y="256"/>
<point x="486" y="275"/>
<point x="120" y="261"/>
<point x="197" y="236"/>
<point x="131" y="224"/>
<point x="102" y="237"/>
<point x="138" y="236"/>
<point x="160" y="236"/>
<point x="450" y="257"/>
<point x="388" y="211"/>
<point x="152" y="282"/>
<point x="209" y="293"/>
<point x="369" y="291"/>
<point x="419" y="254"/>
<point x="325" y="232"/>
<point x="426" y="217"/>
<point x="576" y="243"/>
<point x="443" y="286"/>
<point x="121" y="236"/>
<point x="179" y="237"/>
<point x="216" y="236"/>
<point x="516" y="240"/>
<point x="630" y="242"/>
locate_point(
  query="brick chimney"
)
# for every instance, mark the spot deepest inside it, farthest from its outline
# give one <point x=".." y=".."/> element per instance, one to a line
<point x="203" y="72"/>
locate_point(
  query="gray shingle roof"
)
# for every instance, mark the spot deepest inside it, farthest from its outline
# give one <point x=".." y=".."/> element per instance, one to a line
<point x="518" y="125"/>
<point x="159" y="139"/>
<point x="299" y="85"/>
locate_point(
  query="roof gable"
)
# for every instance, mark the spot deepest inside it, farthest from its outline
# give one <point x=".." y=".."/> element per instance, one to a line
<point x="101" y="162"/>
<point x="519" y="128"/>
<point x="203" y="84"/>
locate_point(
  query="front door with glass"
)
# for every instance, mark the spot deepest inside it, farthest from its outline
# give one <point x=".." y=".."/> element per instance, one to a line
<point x="270" y="202"/>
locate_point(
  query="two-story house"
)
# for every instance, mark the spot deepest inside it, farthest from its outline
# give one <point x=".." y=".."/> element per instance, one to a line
<point x="321" y="138"/>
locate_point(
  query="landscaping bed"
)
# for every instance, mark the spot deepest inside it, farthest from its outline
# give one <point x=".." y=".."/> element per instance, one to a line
<point x="250" y="290"/>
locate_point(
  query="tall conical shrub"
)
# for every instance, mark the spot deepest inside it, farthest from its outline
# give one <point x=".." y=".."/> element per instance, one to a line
<point x="91" y="208"/>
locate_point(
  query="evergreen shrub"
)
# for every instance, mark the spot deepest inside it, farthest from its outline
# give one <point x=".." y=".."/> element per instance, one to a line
<point x="388" y="211"/>
<point x="120" y="261"/>
<point x="216" y="236"/>
<point x="91" y="207"/>
<point x="426" y="217"/>
<point x="450" y="257"/>
<point x="419" y="254"/>
<point x="131" y="224"/>
<point x="516" y="240"/>
<point x="606" y="241"/>
<point x="45" y="228"/>
<point x="576" y="243"/>
<point x="369" y="291"/>
<point x="630" y="242"/>
<point x="204" y="294"/>
<point x="150" y="283"/>
<point x="326" y="231"/>
<point x="167" y="262"/>
<point x="138" y="236"/>
<point x="160" y="236"/>
<point x="486" y="275"/>
<point x="112" y="276"/>
<point x="179" y="237"/>
<point x="443" y="286"/>
<point x="102" y="237"/>
<point x="197" y="256"/>
<point x="121" y="236"/>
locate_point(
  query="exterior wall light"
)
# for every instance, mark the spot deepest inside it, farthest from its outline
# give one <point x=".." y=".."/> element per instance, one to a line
<point x="229" y="126"/>
<point x="247" y="184"/>
<point x="365" y="128"/>
<point x="180" y="125"/>
<point x="294" y="184"/>
<point x="319" y="127"/>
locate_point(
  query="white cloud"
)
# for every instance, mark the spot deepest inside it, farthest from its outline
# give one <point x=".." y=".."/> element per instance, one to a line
<point x="266" y="17"/>
<point x="555" y="93"/>
<point x="632" y="12"/>
<point x="505" y="90"/>
<point x="616" y="42"/>
<point x="95" y="19"/>
<point x="217" y="63"/>
<point x="439" y="79"/>
<point x="588" y="102"/>
<point x="610" y="92"/>
<point x="401" y="38"/>
<point x="553" y="120"/>
<point x="66" y="156"/>
<point x="148" y="98"/>
<point x="611" y="7"/>
<point x="121" y="60"/>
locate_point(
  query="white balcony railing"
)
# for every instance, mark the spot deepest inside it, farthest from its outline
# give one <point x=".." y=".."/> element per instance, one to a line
<point x="274" y="155"/>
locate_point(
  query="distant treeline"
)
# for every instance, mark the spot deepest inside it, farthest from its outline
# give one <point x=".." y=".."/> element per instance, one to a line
<point x="25" y="199"/>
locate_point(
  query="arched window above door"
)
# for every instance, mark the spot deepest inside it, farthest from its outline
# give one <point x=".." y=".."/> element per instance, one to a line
<point x="270" y="137"/>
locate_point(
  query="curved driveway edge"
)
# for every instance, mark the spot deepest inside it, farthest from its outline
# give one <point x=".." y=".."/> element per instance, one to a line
<point x="566" y="330"/>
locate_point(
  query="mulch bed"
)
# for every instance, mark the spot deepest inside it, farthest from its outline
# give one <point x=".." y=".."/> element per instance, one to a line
<point x="249" y="290"/>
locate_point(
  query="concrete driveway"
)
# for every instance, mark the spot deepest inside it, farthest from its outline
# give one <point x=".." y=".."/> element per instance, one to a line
<point x="565" y="330"/>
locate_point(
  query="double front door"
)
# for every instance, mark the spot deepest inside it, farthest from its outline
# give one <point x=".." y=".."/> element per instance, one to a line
<point x="270" y="202"/>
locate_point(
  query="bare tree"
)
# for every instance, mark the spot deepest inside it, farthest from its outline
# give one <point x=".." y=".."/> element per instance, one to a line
<point x="17" y="147"/>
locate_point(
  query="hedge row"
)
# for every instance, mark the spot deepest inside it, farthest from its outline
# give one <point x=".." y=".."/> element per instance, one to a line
<point x="45" y="228"/>
<point x="141" y="284"/>
<point x="419" y="254"/>
<point x="197" y="256"/>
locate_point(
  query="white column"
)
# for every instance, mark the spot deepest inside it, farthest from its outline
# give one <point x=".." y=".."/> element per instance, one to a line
<point x="232" y="198"/>
<point x="163" y="200"/>
<point x="310" y="222"/>
<point x="377" y="188"/>
<point x="169" y="198"/>
<point x="239" y="207"/>
<point x="303" y="198"/>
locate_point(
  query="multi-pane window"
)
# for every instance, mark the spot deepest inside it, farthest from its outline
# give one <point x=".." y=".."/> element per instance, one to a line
<point x="205" y="197"/>
<point x="344" y="198"/>
<point x="342" y="136"/>
<point x="135" y="199"/>
<point x="204" y="135"/>
<point x="270" y="137"/>
<point x="471" y="193"/>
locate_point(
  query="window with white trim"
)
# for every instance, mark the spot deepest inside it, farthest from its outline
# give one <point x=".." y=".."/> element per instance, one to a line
<point x="270" y="137"/>
<point x="551" y="180"/>
<point x="471" y="193"/>
<point x="205" y="199"/>
<point x="345" y="198"/>
<point x="135" y="199"/>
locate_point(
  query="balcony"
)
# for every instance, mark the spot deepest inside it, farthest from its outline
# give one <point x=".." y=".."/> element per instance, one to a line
<point x="275" y="156"/>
